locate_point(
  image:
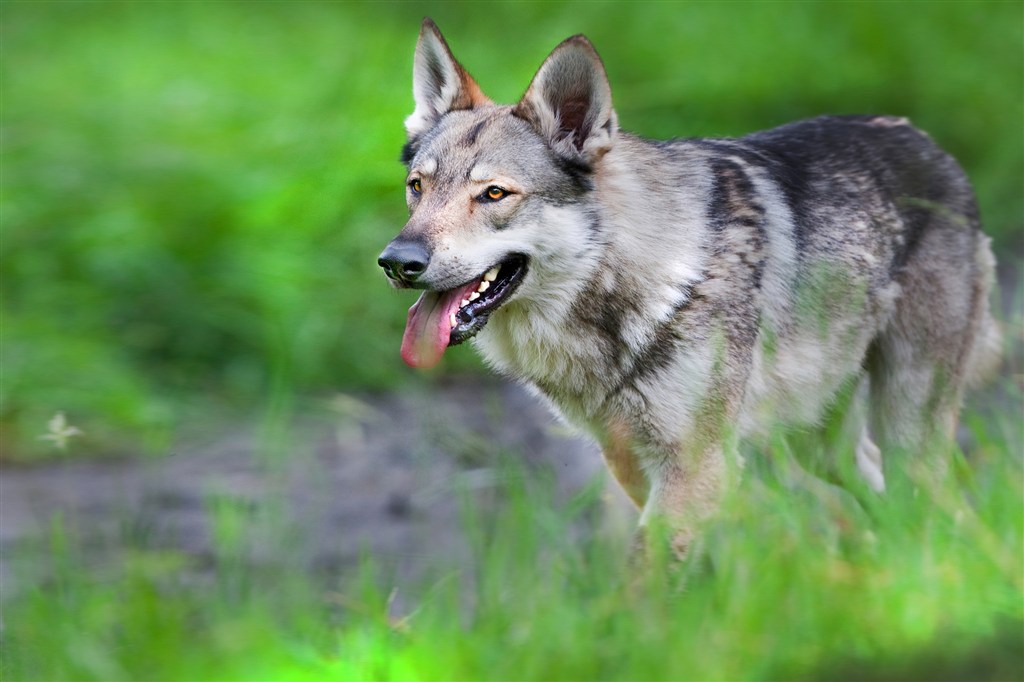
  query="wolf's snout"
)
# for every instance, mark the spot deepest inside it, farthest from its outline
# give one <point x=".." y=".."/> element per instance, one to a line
<point x="404" y="260"/>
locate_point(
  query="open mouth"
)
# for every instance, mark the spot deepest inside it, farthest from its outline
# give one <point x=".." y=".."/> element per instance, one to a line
<point x="485" y="295"/>
<point x="447" y="318"/>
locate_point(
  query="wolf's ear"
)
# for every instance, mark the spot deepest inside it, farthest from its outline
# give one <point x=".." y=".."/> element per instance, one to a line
<point x="439" y="83"/>
<point x="569" y="102"/>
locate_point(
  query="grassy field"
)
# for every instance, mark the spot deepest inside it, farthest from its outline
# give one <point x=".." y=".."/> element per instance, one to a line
<point x="192" y="198"/>
<point x="792" y="582"/>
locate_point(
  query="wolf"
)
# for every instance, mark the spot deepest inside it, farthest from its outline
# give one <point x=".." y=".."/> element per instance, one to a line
<point x="672" y="298"/>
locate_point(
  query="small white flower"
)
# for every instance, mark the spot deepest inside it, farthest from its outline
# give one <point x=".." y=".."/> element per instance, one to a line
<point x="59" y="431"/>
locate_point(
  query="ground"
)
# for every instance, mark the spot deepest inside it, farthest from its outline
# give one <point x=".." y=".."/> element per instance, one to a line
<point x="376" y="474"/>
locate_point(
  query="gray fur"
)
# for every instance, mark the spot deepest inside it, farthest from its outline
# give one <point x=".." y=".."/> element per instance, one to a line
<point x="684" y="294"/>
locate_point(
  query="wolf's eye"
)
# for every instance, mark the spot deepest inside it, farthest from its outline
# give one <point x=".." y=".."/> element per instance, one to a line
<point x="415" y="186"/>
<point x="494" y="193"/>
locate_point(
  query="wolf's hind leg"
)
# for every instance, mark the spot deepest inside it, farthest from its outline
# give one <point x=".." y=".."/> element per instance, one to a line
<point x="869" y="461"/>
<point x="914" y="408"/>
<point x="920" y="363"/>
<point x="867" y="455"/>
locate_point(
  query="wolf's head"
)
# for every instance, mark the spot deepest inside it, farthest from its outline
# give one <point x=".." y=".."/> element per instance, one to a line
<point x="497" y="195"/>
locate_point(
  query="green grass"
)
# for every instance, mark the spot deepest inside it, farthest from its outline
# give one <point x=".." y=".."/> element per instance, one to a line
<point x="192" y="198"/>
<point x="193" y="195"/>
<point x="790" y="582"/>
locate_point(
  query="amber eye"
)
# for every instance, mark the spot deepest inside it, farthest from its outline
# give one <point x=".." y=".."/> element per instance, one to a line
<point x="415" y="186"/>
<point x="494" y="193"/>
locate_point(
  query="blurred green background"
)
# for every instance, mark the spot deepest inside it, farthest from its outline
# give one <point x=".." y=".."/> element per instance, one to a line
<point x="194" y="194"/>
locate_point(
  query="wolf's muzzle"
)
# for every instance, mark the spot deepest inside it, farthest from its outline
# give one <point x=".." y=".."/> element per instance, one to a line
<point x="404" y="260"/>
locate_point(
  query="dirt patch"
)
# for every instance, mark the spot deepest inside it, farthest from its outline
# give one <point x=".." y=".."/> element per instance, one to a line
<point x="387" y="475"/>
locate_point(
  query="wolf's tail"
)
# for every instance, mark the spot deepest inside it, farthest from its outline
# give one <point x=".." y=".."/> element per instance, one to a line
<point x="987" y="350"/>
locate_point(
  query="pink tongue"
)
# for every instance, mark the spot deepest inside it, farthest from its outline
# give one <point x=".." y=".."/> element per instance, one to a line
<point x="428" y="328"/>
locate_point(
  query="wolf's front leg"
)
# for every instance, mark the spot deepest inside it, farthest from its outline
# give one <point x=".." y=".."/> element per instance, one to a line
<point x="624" y="463"/>
<point x="684" y="491"/>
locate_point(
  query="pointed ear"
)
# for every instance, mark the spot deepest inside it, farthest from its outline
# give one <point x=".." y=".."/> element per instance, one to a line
<point x="569" y="102"/>
<point x="439" y="83"/>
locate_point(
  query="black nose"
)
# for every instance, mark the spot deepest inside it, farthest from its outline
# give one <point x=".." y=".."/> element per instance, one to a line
<point x="404" y="260"/>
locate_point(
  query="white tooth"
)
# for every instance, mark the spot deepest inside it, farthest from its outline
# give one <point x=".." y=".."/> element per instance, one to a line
<point x="473" y="296"/>
<point x="464" y="303"/>
<point x="484" y="286"/>
<point x="451" y="318"/>
<point x="492" y="274"/>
